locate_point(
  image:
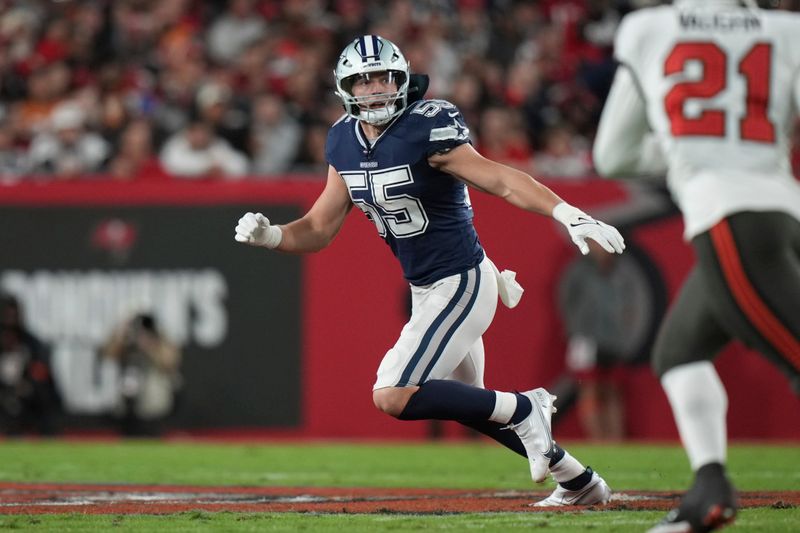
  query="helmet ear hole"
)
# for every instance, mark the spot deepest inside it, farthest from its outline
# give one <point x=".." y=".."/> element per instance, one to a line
<point x="346" y="84"/>
<point x="399" y="77"/>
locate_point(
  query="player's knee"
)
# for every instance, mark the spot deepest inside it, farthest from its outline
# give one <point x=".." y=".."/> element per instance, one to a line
<point x="665" y="360"/>
<point x="390" y="400"/>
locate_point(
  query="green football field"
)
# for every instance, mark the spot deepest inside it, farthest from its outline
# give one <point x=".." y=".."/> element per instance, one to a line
<point x="477" y="467"/>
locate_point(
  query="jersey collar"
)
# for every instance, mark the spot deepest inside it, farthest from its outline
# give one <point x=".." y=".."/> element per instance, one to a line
<point x="362" y="139"/>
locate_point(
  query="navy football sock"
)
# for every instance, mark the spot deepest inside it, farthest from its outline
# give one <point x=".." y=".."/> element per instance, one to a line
<point x="558" y="454"/>
<point x="449" y="400"/>
<point x="524" y="408"/>
<point x="498" y="432"/>
<point x="579" y="482"/>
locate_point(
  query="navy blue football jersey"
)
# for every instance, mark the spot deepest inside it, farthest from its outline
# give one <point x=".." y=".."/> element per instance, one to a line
<point x="423" y="214"/>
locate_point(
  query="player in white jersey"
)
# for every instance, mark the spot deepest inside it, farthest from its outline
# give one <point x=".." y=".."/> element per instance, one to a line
<point x="707" y="92"/>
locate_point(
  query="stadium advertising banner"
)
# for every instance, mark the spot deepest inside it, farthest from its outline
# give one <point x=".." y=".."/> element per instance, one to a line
<point x="81" y="271"/>
<point x="285" y="345"/>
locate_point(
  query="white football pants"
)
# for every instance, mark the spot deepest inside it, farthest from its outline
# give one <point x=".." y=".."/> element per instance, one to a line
<point x="442" y="340"/>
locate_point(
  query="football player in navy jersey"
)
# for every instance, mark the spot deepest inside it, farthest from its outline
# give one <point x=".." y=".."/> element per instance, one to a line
<point x="406" y="163"/>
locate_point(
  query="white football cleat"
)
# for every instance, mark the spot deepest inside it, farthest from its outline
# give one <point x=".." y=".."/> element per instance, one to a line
<point x="535" y="434"/>
<point x="595" y="492"/>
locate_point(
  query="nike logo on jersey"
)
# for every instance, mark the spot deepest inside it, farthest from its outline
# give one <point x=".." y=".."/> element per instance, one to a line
<point x="453" y="114"/>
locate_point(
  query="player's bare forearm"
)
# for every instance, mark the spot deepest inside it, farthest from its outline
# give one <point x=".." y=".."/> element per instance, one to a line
<point x="525" y="192"/>
<point x="319" y="226"/>
<point x="510" y="184"/>
<point x="311" y="233"/>
<point x="306" y="236"/>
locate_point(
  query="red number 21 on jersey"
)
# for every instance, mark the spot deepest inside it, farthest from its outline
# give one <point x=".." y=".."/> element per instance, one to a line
<point x="754" y="67"/>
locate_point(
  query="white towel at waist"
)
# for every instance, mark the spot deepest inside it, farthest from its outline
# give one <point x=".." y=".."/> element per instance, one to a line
<point x="508" y="289"/>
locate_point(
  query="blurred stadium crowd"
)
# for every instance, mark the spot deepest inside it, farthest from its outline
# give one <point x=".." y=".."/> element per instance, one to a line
<point x="156" y="89"/>
<point x="149" y="89"/>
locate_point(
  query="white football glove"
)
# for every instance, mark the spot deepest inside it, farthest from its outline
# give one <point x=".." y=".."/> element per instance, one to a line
<point x="581" y="227"/>
<point x="255" y="229"/>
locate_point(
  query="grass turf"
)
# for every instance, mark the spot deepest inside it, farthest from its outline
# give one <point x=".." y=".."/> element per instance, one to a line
<point x="460" y="466"/>
<point x="761" y="520"/>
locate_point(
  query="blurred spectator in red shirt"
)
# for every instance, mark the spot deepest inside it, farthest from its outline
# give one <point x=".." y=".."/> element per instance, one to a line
<point x="522" y="82"/>
<point x="503" y="139"/>
<point x="135" y="158"/>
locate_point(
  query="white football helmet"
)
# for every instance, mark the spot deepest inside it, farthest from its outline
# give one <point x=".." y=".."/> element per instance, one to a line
<point x="364" y="56"/>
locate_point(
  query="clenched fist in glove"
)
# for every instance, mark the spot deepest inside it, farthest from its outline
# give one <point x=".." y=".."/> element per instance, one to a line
<point x="581" y="227"/>
<point x="255" y="229"/>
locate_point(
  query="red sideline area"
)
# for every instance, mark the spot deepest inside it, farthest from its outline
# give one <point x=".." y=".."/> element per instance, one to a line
<point x="354" y="307"/>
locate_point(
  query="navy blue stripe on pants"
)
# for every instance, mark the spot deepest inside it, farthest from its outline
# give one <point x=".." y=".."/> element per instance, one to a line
<point x="426" y="339"/>
<point x="454" y="327"/>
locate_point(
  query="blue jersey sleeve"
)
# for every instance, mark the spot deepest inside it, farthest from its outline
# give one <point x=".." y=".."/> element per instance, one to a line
<point x="443" y="123"/>
<point x="437" y="126"/>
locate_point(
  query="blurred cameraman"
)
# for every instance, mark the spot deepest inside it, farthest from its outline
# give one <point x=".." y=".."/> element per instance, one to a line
<point x="28" y="397"/>
<point x="149" y="375"/>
